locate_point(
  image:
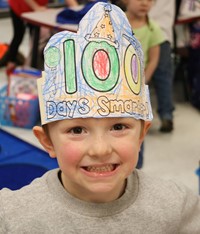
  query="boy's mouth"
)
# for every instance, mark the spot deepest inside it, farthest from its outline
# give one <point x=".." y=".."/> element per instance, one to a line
<point x="100" y="169"/>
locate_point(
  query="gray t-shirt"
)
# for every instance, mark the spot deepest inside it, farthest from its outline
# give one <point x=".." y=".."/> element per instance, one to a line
<point x="147" y="206"/>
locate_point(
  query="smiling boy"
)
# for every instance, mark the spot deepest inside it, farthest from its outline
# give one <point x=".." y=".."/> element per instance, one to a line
<point x="95" y="155"/>
<point x="96" y="188"/>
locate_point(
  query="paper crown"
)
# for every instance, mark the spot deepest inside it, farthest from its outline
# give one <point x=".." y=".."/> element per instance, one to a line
<point x="97" y="72"/>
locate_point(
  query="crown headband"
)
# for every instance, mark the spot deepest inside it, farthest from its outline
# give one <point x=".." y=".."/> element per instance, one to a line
<point x="97" y="72"/>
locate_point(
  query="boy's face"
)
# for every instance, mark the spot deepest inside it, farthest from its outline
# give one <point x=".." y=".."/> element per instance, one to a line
<point x="95" y="155"/>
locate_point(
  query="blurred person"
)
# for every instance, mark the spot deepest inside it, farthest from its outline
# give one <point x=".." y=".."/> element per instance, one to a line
<point x="73" y="3"/>
<point x="194" y="63"/>
<point x="17" y="7"/>
<point x="163" y="12"/>
<point x="147" y="32"/>
<point x="150" y="36"/>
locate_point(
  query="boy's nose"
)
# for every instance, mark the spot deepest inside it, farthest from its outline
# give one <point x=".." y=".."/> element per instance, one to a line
<point x="100" y="147"/>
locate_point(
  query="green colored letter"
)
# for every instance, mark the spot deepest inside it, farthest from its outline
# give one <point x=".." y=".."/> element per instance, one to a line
<point x="70" y="66"/>
<point x="90" y="75"/>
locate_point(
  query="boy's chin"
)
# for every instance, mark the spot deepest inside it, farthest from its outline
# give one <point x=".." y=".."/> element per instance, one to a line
<point x="102" y="193"/>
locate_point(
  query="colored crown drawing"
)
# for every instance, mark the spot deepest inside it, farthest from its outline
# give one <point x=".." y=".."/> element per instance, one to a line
<point x="97" y="72"/>
<point x="104" y="29"/>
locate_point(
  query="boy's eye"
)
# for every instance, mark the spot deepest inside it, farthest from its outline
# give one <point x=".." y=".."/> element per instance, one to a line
<point x="118" y="127"/>
<point x="77" y="130"/>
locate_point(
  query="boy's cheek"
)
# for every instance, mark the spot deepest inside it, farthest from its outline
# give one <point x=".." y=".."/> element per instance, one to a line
<point x="70" y="154"/>
<point x="129" y="152"/>
<point x="130" y="160"/>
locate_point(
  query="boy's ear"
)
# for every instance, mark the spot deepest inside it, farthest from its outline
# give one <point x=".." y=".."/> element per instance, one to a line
<point x="145" y="127"/>
<point x="44" y="140"/>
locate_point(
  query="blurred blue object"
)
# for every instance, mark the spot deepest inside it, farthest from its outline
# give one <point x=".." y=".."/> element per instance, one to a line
<point x="198" y="174"/>
<point x="21" y="162"/>
<point x="15" y="176"/>
<point x="198" y="171"/>
<point x="4" y="4"/>
<point x="69" y="16"/>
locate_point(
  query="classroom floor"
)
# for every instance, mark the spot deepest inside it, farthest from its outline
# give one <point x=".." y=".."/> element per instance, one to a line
<point x="171" y="156"/>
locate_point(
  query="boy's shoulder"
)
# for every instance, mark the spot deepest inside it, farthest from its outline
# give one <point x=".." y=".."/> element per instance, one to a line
<point x="168" y="195"/>
<point x="27" y="194"/>
<point x="169" y="199"/>
<point x="163" y="188"/>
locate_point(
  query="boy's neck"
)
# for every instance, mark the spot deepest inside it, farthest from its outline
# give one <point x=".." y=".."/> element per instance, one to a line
<point x="136" y="22"/>
<point x="96" y="198"/>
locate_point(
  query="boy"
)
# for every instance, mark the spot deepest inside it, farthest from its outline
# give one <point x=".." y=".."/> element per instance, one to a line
<point x="95" y="112"/>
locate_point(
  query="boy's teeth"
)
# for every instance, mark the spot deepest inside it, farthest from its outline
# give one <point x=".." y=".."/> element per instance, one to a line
<point x="100" y="168"/>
